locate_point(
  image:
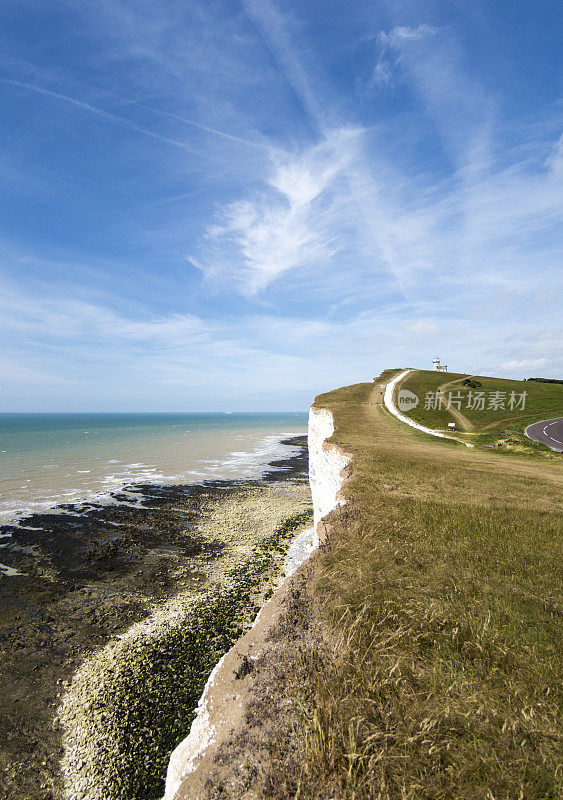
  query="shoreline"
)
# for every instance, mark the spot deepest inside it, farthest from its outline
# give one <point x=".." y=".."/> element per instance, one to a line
<point x="231" y="466"/>
<point x="127" y="563"/>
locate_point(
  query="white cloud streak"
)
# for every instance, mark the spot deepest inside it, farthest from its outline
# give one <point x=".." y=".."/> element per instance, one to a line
<point x="275" y="31"/>
<point x="383" y="74"/>
<point x="519" y="364"/>
<point x="206" y="128"/>
<point x="290" y="225"/>
<point x="99" y="112"/>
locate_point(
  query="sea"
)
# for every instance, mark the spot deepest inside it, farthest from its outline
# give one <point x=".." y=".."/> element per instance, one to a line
<point x="49" y="459"/>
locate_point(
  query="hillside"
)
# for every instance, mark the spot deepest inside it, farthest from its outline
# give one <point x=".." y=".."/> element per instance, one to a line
<point x="491" y="411"/>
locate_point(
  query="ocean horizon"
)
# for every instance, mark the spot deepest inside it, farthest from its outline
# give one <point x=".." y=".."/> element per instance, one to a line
<point x="62" y="457"/>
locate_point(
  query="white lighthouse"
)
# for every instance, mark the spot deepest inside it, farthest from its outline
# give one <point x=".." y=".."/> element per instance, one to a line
<point x="439" y="367"/>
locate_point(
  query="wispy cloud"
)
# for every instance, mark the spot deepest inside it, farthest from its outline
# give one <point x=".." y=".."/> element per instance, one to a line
<point x="99" y="112"/>
<point x="404" y="32"/>
<point x="329" y="200"/>
<point x="181" y="361"/>
<point x="431" y="62"/>
<point x="463" y="234"/>
<point x="554" y="161"/>
<point x="75" y="320"/>
<point x="381" y="75"/>
<point x="384" y="72"/>
<point x="519" y="364"/>
<point x="336" y="233"/>
<point x="15" y="373"/>
<point x="290" y="224"/>
<point x="274" y="27"/>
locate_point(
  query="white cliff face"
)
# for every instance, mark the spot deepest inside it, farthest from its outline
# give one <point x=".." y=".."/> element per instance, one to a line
<point x="326" y="463"/>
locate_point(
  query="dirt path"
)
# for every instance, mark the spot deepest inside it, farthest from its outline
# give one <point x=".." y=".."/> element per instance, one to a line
<point x="498" y="422"/>
<point x="459" y="418"/>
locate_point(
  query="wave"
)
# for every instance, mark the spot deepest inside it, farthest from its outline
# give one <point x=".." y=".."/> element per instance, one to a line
<point x="253" y="463"/>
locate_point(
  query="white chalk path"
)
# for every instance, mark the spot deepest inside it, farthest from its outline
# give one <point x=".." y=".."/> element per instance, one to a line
<point x="390" y="405"/>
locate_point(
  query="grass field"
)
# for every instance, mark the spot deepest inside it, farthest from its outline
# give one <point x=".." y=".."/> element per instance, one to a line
<point x="497" y="412"/>
<point x="440" y="597"/>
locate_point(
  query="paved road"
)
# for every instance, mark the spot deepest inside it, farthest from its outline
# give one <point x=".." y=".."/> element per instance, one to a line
<point x="549" y="432"/>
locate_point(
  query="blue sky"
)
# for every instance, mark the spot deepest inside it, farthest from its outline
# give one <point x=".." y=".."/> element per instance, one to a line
<point x="239" y="205"/>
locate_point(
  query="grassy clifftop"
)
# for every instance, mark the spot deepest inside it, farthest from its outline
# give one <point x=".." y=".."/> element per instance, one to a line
<point x="441" y="604"/>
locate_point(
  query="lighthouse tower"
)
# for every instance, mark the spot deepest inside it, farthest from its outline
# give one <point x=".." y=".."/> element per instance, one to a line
<point x="437" y="366"/>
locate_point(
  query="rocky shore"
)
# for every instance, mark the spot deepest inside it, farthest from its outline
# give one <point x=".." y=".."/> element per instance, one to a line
<point x="121" y="610"/>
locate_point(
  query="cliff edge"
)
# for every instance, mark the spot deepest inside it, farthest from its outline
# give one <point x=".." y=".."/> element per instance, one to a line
<point x="196" y="764"/>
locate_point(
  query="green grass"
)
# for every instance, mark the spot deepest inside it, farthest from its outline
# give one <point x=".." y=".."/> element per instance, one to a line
<point x="542" y="401"/>
<point x="440" y="596"/>
<point x="502" y="427"/>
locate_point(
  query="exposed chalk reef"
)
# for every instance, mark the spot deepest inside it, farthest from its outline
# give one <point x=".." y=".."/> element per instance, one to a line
<point x="326" y="463"/>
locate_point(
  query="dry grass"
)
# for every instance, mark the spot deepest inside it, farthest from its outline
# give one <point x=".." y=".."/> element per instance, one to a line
<point x="441" y="597"/>
<point x="445" y="680"/>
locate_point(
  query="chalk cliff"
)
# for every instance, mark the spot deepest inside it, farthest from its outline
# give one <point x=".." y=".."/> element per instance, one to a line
<point x="326" y="463"/>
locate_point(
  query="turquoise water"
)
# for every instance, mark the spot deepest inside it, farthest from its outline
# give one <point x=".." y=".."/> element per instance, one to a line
<point x="46" y="459"/>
